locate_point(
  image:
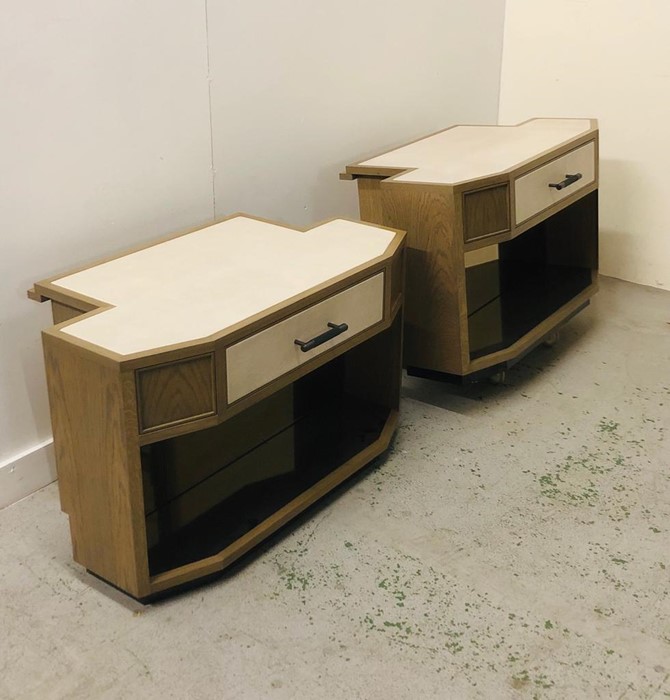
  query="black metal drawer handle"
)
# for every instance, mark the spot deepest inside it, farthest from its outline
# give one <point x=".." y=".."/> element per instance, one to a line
<point x="569" y="179"/>
<point x="335" y="330"/>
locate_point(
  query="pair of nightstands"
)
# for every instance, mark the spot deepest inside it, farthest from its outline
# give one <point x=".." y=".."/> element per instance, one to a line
<point x="206" y="389"/>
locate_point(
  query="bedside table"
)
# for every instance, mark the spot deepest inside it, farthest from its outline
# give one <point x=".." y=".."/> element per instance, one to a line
<point x="502" y="227"/>
<point x="206" y="389"/>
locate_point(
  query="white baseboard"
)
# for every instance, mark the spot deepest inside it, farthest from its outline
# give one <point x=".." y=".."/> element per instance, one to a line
<point x="27" y="472"/>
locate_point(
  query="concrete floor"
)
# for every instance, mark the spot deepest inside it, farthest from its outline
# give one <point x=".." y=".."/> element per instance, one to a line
<point x="513" y="544"/>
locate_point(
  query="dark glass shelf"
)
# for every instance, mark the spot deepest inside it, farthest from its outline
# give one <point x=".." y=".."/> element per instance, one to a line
<point x="248" y="487"/>
<point x="536" y="273"/>
<point x="507" y="299"/>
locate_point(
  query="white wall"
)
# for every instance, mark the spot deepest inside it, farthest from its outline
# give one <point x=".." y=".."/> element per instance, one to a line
<point x="104" y="136"/>
<point x="301" y="88"/>
<point x="607" y="59"/>
<point x="107" y="134"/>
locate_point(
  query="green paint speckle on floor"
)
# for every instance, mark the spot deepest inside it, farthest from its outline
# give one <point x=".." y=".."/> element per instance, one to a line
<point x="607" y="426"/>
<point x="513" y="544"/>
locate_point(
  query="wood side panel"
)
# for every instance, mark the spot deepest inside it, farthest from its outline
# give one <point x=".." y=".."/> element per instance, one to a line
<point x="99" y="477"/>
<point x="63" y="312"/>
<point x="61" y="425"/>
<point x="435" y="307"/>
<point x="134" y="475"/>
<point x="369" y="201"/>
<point x="176" y="392"/>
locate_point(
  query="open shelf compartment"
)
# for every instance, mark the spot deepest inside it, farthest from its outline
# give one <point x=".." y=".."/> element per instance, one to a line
<point x="206" y="490"/>
<point x="534" y="275"/>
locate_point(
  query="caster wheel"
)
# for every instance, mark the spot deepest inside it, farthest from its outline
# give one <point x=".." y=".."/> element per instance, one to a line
<point x="551" y="340"/>
<point x="498" y="377"/>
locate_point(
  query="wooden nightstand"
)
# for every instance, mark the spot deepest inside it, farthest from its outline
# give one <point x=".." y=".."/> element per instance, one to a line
<point x="206" y="389"/>
<point x="502" y="238"/>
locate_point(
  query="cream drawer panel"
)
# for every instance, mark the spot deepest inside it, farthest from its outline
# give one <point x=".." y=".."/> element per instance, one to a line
<point x="267" y="355"/>
<point x="532" y="191"/>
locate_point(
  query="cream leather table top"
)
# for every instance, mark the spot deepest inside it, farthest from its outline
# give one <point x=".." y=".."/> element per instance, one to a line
<point x="201" y="283"/>
<point x="468" y="152"/>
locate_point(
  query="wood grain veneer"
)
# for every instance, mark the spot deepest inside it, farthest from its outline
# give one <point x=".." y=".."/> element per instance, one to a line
<point x="436" y="296"/>
<point x="98" y="466"/>
<point x="176" y="392"/>
<point x="486" y="212"/>
<point x="63" y="312"/>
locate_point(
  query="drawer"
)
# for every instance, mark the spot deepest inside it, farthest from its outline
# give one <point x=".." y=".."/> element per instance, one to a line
<point x="267" y="355"/>
<point x="176" y="392"/>
<point x="485" y="212"/>
<point x="532" y="191"/>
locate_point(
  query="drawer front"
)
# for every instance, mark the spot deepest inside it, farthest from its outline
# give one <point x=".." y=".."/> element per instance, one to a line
<point x="532" y="191"/>
<point x="175" y="393"/>
<point x="267" y="355"/>
<point x="485" y="212"/>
